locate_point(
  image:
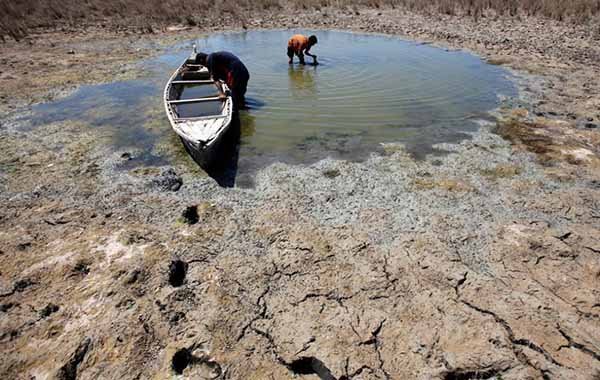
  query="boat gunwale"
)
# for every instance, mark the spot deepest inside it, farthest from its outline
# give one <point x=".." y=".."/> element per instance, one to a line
<point x="227" y="112"/>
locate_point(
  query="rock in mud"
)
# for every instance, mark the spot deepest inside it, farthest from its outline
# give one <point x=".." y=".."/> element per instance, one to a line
<point x="168" y="180"/>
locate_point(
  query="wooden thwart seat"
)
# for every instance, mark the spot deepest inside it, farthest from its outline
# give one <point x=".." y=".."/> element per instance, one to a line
<point x="198" y="118"/>
<point x="207" y="81"/>
<point x="197" y="100"/>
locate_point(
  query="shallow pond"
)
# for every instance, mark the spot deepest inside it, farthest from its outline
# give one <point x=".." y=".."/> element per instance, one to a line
<point x="367" y="90"/>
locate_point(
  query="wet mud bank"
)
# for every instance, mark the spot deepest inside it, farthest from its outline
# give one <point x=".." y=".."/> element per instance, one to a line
<point x="480" y="263"/>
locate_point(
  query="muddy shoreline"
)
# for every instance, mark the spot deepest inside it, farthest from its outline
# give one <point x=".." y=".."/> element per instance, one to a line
<point x="483" y="263"/>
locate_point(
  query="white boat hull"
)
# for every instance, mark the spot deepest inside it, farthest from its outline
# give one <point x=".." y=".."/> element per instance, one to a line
<point x="201" y="134"/>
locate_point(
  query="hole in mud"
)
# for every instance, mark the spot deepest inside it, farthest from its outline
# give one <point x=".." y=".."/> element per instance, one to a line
<point x="201" y="367"/>
<point x="309" y="365"/>
<point x="5" y="307"/>
<point x="21" y="285"/>
<point x="176" y="318"/>
<point x="181" y="360"/>
<point x="177" y="272"/>
<point x="48" y="310"/>
<point x="69" y="370"/>
<point x="81" y="268"/>
<point x="190" y="215"/>
<point x="471" y="374"/>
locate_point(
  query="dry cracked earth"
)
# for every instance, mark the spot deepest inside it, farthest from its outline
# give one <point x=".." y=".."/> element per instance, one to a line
<point x="483" y="263"/>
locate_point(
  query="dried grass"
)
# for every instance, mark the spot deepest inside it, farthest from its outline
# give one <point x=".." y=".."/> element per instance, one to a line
<point x="17" y="17"/>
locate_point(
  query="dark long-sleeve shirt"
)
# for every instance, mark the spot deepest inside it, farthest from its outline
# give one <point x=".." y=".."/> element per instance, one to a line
<point x="227" y="67"/>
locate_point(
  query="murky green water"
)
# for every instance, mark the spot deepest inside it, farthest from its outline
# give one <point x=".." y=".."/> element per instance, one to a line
<point x="367" y="90"/>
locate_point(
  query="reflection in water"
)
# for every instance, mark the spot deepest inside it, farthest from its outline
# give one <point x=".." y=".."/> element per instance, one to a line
<point x="254" y="103"/>
<point x="302" y="80"/>
<point x="247" y="124"/>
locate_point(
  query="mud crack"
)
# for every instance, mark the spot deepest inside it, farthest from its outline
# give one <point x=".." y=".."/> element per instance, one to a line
<point x="374" y="340"/>
<point x="69" y="370"/>
<point x="304" y="365"/>
<point x="576" y="345"/>
<point x="517" y="342"/>
<point x="262" y="305"/>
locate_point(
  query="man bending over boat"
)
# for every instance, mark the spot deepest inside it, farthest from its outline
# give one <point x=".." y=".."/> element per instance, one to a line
<point x="225" y="66"/>
<point x="300" y="45"/>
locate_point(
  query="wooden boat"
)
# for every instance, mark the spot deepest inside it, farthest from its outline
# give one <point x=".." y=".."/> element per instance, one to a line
<point x="199" y="109"/>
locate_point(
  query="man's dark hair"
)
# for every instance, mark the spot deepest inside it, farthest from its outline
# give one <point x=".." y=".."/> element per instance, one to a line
<point x="312" y="40"/>
<point x="201" y="58"/>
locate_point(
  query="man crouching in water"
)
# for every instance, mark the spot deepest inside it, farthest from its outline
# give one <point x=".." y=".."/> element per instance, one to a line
<point x="300" y="45"/>
<point x="225" y="66"/>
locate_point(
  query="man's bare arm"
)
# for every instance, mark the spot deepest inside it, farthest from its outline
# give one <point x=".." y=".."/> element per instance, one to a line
<point x="314" y="57"/>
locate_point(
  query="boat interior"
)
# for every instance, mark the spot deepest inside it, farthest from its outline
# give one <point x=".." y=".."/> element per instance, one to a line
<point x="194" y="95"/>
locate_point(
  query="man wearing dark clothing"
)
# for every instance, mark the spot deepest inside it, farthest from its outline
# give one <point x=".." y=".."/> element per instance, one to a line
<point x="227" y="67"/>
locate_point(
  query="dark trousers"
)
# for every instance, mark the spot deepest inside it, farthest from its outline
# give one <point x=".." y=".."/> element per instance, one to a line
<point x="238" y="91"/>
<point x="291" y="52"/>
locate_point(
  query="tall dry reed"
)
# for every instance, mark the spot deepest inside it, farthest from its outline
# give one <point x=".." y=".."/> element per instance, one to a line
<point x="17" y="17"/>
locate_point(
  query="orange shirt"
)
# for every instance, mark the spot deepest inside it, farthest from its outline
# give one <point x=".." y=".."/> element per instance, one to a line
<point x="298" y="43"/>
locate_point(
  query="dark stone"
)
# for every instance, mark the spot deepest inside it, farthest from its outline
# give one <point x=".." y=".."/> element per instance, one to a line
<point x="168" y="180"/>
<point x="332" y="173"/>
<point x="191" y="21"/>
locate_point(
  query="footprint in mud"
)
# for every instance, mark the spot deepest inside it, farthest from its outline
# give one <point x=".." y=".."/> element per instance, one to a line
<point x="195" y="364"/>
<point x="190" y="215"/>
<point x="177" y="272"/>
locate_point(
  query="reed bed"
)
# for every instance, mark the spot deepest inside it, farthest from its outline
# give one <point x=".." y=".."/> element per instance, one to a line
<point x="18" y="17"/>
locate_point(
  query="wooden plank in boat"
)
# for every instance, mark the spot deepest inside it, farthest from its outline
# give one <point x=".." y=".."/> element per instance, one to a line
<point x="191" y="81"/>
<point x="179" y="101"/>
<point x="184" y="119"/>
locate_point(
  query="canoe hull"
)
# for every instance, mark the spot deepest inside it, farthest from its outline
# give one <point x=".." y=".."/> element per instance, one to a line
<point x="201" y="135"/>
<point x="206" y="156"/>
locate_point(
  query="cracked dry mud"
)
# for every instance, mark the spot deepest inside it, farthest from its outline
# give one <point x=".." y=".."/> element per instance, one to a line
<point x="480" y="264"/>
